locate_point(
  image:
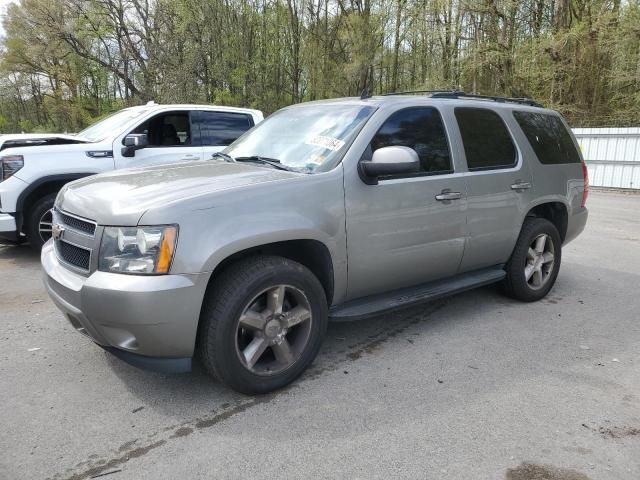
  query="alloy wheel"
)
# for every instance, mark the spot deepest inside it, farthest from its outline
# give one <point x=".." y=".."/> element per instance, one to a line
<point x="540" y="261"/>
<point x="273" y="330"/>
<point x="45" y="225"/>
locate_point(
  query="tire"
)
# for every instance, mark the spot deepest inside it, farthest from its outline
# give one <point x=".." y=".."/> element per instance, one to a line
<point x="36" y="215"/>
<point x="531" y="275"/>
<point x="240" y="314"/>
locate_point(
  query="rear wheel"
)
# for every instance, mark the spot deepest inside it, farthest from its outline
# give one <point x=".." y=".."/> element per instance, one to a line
<point x="262" y="324"/>
<point x="535" y="262"/>
<point x="39" y="222"/>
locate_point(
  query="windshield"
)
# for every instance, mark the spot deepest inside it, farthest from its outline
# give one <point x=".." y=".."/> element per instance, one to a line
<point x="105" y="127"/>
<point x="306" y="138"/>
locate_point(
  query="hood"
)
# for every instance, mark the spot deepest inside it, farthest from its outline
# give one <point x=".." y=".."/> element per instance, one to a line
<point x="37" y="140"/>
<point x="121" y="197"/>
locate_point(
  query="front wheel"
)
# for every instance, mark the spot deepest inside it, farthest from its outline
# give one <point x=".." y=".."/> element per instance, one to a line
<point x="262" y="324"/>
<point x="39" y="222"/>
<point x="533" y="267"/>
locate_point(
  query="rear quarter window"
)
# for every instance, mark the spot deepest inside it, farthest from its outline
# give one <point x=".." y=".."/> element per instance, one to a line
<point x="548" y="137"/>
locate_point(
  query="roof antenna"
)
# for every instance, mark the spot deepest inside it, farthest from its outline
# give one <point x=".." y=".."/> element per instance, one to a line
<point x="368" y="81"/>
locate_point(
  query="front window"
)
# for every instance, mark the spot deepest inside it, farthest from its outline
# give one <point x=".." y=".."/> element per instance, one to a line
<point x="171" y="129"/>
<point x="419" y="128"/>
<point x="105" y="127"/>
<point x="306" y="138"/>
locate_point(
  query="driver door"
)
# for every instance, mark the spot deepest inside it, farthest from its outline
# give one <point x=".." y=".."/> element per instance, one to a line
<point x="398" y="233"/>
<point x="169" y="136"/>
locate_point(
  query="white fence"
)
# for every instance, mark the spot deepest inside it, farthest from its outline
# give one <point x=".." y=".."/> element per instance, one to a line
<point x="612" y="156"/>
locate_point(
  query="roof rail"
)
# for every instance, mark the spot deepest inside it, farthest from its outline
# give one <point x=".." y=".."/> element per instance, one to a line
<point x="423" y="92"/>
<point x="454" y="94"/>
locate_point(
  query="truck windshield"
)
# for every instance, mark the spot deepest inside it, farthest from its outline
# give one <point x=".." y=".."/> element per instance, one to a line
<point x="111" y="124"/>
<point x="305" y="138"/>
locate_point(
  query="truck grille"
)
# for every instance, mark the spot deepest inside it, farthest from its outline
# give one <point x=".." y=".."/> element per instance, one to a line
<point x="73" y="255"/>
<point x="75" y="240"/>
<point x="78" y="224"/>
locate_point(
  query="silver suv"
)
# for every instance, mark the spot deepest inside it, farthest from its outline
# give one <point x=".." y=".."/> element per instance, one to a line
<point x="338" y="209"/>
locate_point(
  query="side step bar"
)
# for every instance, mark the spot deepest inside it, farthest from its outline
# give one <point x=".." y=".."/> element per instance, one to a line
<point x="386" y="302"/>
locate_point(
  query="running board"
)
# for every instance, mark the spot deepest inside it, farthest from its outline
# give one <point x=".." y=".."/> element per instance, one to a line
<point x="386" y="302"/>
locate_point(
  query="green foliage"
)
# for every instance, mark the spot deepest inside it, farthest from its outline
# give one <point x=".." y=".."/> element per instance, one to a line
<point x="64" y="63"/>
<point x="25" y="125"/>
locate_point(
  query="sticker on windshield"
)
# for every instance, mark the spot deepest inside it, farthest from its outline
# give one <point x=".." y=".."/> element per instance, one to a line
<point x="329" y="143"/>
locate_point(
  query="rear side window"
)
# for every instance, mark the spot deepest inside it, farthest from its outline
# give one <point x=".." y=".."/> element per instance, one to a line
<point x="487" y="142"/>
<point x="421" y="129"/>
<point x="221" y="128"/>
<point x="548" y="137"/>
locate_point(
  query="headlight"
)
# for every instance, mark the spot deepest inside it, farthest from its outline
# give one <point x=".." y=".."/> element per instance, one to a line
<point x="139" y="250"/>
<point x="9" y="165"/>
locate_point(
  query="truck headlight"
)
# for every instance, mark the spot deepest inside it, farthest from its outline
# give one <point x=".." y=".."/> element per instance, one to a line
<point x="138" y="250"/>
<point x="10" y="164"/>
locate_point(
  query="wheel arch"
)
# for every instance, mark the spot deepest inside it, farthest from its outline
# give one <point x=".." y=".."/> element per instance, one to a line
<point x="312" y="253"/>
<point x="555" y="211"/>
<point x="41" y="187"/>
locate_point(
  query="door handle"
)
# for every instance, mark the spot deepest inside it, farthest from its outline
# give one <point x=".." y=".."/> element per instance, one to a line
<point x="448" y="195"/>
<point x="520" y="185"/>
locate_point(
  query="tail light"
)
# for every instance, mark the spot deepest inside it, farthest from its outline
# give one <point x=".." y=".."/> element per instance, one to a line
<point x="585" y="175"/>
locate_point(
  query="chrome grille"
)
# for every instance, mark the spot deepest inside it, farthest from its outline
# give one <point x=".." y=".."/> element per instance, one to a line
<point x="78" y="224"/>
<point x="75" y="239"/>
<point x="74" y="255"/>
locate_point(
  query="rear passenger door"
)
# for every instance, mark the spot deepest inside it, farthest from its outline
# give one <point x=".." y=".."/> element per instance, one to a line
<point x="411" y="229"/>
<point x="499" y="186"/>
<point x="219" y="129"/>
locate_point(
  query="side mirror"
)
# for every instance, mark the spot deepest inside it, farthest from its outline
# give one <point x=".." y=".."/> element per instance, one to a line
<point x="133" y="142"/>
<point x="390" y="161"/>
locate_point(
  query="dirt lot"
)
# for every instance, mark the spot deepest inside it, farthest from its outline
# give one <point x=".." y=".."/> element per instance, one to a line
<point x="474" y="387"/>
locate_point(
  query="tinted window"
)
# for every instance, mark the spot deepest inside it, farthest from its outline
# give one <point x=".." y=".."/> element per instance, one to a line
<point x="487" y="143"/>
<point x="420" y="129"/>
<point x="549" y="137"/>
<point x="222" y="128"/>
<point x="167" y="130"/>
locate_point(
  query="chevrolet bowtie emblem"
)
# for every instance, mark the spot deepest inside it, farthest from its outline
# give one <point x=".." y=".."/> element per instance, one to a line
<point x="57" y="231"/>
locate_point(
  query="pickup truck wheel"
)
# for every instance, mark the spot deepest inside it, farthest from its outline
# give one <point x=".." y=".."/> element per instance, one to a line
<point x="39" y="222"/>
<point x="535" y="262"/>
<point x="262" y="324"/>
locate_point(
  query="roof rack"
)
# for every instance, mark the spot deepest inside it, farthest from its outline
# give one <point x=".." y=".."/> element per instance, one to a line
<point x="454" y="94"/>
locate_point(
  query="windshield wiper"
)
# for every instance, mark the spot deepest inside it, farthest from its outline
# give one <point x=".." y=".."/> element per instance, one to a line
<point x="274" y="162"/>
<point x="223" y="156"/>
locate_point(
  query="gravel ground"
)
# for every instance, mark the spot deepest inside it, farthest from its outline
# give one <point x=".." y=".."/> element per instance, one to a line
<point x="473" y="387"/>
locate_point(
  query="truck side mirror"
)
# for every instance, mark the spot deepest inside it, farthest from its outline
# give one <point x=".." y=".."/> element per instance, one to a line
<point x="390" y="161"/>
<point x="133" y="142"/>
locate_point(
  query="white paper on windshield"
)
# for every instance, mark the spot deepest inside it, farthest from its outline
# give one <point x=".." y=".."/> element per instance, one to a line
<point x="329" y="143"/>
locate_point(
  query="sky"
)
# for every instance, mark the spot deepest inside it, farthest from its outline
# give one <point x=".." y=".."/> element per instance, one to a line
<point x="3" y="9"/>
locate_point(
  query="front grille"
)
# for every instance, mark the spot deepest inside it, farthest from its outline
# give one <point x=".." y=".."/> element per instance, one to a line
<point x="76" y="256"/>
<point x="78" y="224"/>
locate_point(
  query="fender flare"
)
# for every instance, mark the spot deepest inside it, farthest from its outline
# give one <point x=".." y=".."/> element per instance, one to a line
<point x="66" y="177"/>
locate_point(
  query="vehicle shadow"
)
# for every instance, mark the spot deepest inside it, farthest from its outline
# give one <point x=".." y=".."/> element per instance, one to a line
<point x="345" y="343"/>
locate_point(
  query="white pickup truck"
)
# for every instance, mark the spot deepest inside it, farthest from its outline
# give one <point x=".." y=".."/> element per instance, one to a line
<point x="33" y="168"/>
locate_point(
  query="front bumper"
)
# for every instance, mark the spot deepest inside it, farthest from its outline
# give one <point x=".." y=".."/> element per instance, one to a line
<point x="8" y="228"/>
<point x="149" y="321"/>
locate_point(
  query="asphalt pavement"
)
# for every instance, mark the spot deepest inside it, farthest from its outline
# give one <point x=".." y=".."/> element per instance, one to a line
<point x="477" y="386"/>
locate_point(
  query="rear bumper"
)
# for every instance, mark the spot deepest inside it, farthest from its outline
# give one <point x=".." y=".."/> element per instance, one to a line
<point x="8" y="228"/>
<point x="149" y="321"/>
<point x="576" y="224"/>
